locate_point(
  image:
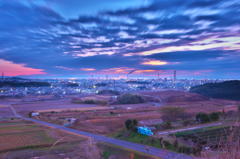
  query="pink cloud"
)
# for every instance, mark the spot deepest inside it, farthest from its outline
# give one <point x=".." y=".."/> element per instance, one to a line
<point x="11" y="69"/>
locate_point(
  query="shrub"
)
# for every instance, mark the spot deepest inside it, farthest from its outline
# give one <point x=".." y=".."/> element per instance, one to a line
<point x="171" y="113"/>
<point x="128" y="123"/>
<point x="175" y="143"/>
<point x="184" y="115"/>
<point x="131" y="126"/>
<point x="214" y="116"/>
<point x="12" y="118"/>
<point x="186" y="122"/>
<point x="166" y="143"/>
<point x="30" y="114"/>
<point x="129" y="98"/>
<point x="89" y="101"/>
<point x="204" y="117"/>
<point x="111" y="113"/>
<point x="52" y="112"/>
<point x="238" y="107"/>
<point x="135" y="122"/>
<point x="101" y="102"/>
<point x="135" y="129"/>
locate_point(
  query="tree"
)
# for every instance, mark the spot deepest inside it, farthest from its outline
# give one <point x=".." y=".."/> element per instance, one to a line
<point x="135" y="122"/>
<point x="129" y="98"/>
<point x="171" y="113"/>
<point x="214" y="116"/>
<point x="128" y="123"/>
<point x="204" y="117"/>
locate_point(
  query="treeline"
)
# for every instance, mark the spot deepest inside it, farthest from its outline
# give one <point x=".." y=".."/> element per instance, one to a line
<point x="91" y="101"/>
<point x="109" y="92"/>
<point x="71" y="85"/>
<point x="100" y="84"/>
<point x="25" y="84"/>
<point x="129" y="98"/>
<point x="138" y="82"/>
<point x="225" y="90"/>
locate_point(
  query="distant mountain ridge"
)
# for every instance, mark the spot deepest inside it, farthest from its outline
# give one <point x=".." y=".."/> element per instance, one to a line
<point x="225" y="90"/>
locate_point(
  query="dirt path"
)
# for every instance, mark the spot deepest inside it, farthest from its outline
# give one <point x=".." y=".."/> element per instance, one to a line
<point x="191" y="128"/>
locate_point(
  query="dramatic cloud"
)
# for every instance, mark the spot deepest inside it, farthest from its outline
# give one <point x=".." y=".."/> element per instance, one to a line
<point x="76" y="38"/>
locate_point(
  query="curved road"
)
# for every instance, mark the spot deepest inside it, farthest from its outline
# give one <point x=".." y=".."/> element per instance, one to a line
<point x="138" y="147"/>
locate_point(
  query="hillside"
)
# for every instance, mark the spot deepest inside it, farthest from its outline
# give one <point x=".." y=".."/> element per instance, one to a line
<point x="24" y="84"/>
<point x="225" y="90"/>
<point x="177" y="96"/>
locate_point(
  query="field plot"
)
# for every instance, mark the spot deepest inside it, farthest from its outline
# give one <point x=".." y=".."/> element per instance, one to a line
<point x="16" y="128"/>
<point x="5" y="110"/>
<point x="54" y="106"/>
<point x="23" y="139"/>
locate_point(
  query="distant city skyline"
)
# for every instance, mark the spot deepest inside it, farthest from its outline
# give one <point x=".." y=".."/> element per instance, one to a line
<point x="78" y="39"/>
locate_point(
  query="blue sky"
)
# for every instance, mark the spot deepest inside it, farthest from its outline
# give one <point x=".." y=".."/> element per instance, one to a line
<point x="76" y="38"/>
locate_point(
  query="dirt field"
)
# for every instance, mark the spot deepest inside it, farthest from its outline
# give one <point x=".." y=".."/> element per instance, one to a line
<point x="53" y="106"/>
<point x="5" y="111"/>
<point x="177" y="96"/>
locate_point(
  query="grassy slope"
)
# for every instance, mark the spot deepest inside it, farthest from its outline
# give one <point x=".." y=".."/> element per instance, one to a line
<point x="131" y="136"/>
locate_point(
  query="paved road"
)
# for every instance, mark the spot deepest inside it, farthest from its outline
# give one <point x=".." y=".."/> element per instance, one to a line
<point x="166" y="132"/>
<point x="138" y="147"/>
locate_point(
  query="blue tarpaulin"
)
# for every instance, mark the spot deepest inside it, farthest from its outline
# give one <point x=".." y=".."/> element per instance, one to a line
<point x="145" y="131"/>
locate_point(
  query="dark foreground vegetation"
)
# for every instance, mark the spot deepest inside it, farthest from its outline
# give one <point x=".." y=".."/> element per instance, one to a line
<point x="25" y="84"/>
<point x="225" y="90"/>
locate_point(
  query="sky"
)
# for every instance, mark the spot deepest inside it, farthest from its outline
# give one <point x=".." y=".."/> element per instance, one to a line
<point x="78" y="38"/>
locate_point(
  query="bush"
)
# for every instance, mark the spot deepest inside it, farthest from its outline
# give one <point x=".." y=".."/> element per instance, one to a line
<point x="204" y="117"/>
<point x="129" y="98"/>
<point x="166" y="143"/>
<point x="101" y="102"/>
<point x="214" y="116"/>
<point x="52" y="112"/>
<point x="30" y="114"/>
<point x="175" y="143"/>
<point x="135" y="122"/>
<point x="185" y="115"/>
<point x="111" y="113"/>
<point x="12" y="118"/>
<point x="171" y="113"/>
<point x="135" y="129"/>
<point x="89" y="101"/>
<point x="128" y="123"/>
<point x="238" y="107"/>
<point x="131" y="126"/>
<point x="186" y="122"/>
